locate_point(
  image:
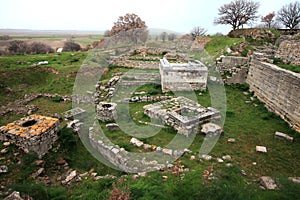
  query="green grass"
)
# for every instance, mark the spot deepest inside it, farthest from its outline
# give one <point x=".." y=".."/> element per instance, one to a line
<point x="292" y="68"/>
<point x="56" y="77"/>
<point x="217" y="45"/>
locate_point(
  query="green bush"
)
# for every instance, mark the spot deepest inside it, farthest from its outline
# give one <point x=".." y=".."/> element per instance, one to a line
<point x="57" y="99"/>
<point x="67" y="139"/>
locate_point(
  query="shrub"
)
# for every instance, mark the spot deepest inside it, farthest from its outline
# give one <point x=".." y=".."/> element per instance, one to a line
<point x="4" y="37"/>
<point x="57" y="99"/>
<point x="67" y="139"/>
<point x="39" y="47"/>
<point x="18" y="46"/>
<point x="70" y="46"/>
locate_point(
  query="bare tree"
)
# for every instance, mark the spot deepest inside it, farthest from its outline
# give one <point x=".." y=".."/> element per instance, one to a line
<point x="39" y="48"/>
<point x="127" y="22"/>
<point x="237" y="13"/>
<point x="163" y="36"/>
<point x="268" y="20"/>
<point x="289" y="15"/>
<point x="197" y="31"/>
<point x="172" y="37"/>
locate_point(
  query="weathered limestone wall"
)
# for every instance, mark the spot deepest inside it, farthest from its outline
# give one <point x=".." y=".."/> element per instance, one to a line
<point x="278" y="88"/>
<point x="237" y="67"/>
<point x="131" y="163"/>
<point x="289" y="51"/>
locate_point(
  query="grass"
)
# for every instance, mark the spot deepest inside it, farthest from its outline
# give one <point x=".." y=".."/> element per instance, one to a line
<point x="20" y="79"/>
<point x="217" y="45"/>
<point x="292" y="68"/>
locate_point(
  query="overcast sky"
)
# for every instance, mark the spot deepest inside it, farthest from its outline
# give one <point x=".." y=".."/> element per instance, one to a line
<point x="176" y="15"/>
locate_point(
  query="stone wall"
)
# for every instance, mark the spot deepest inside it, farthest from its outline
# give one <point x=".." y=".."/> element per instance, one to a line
<point x="119" y="157"/>
<point x="278" y="88"/>
<point x="235" y="69"/>
<point x="289" y="51"/>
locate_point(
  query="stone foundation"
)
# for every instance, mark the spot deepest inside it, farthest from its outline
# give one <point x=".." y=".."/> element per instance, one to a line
<point x="33" y="133"/>
<point x="181" y="113"/>
<point x="182" y="77"/>
<point x="106" y="111"/>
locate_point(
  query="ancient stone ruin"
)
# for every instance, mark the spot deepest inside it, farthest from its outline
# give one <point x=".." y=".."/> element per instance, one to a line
<point x="106" y="111"/>
<point x="33" y="133"/>
<point x="183" y="76"/>
<point x="74" y="112"/>
<point x="181" y="113"/>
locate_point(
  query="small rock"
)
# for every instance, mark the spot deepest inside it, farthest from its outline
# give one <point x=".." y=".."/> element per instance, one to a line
<point x="170" y="166"/>
<point x="261" y="149"/>
<point x="294" y="179"/>
<point x="78" y="179"/>
<point x="226" y="157"/>
<point x="59" y="178"/>
<point x="135" y="176"/>
<point x="165" y="177"/>
<point x="147" y="146"/>
<point x="228" y="165"/>
<point x="158" y="149"/>
<point x="280" y="135"/>
<point x="192" y="158"/>
<point x="69" y="177"/>
<point x="38" y="172"/>
<point x="16" y="154"/>
<point x="14" y="196"/>
<point x="3" y="151"/>
<point x="187" y="151"/>
<point x="220" y="160"/>
<point x="243" y="172"/>
<point x="206" y="157"/>
<point x="94" y="174"/>
<point x="142" y="174"/>
<point x="136" y="142"/>
<point x="112" y="127"/>
<point x="3" y="169"/>
<point x="268" y="183"/>
<point x="254" y="163"/>
<point x="231" y="140"/>
<point x="107" y="176"/>
<point x="6" y="144"/>
<point x="61" y="161"/>
<point x="211" y="129"/>
<point x="83" y="174"/>
<point x="39" y="162"/>
<point x="168" y="151"/>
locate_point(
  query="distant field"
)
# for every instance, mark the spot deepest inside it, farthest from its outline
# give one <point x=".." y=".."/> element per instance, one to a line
<point x="53" y="39"/>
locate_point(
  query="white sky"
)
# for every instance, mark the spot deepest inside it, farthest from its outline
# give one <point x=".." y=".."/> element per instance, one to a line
<point x="176" y="15"/>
